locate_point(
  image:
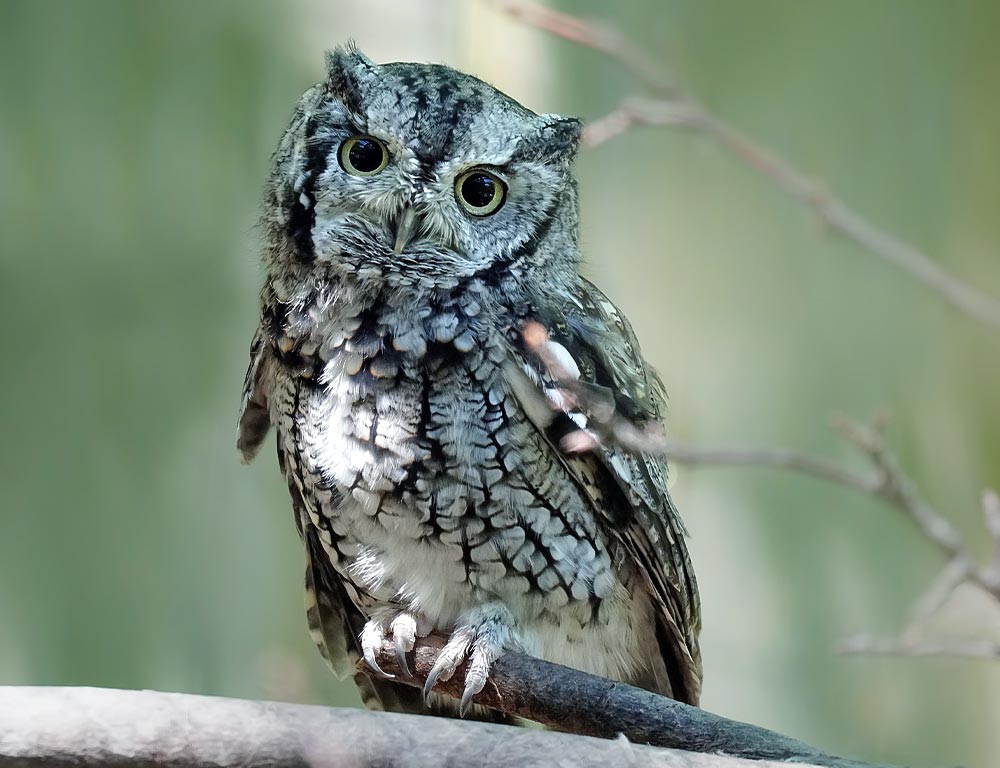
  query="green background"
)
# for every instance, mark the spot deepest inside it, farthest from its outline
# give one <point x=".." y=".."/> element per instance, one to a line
<point x="136" y="551"/>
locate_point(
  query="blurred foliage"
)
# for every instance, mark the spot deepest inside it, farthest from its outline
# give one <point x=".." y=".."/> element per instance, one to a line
<point x="135" y="551"/>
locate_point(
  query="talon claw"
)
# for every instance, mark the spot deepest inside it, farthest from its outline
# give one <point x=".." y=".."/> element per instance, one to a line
<point x="463" y="706"/>
<point x="473" y="685"/>
<point x="370" y="661"/>
<point x="401" y="656"/>
<point x="432" y="680"/>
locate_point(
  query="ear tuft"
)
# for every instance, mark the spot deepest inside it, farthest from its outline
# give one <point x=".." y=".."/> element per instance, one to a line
<point x="560" y="136"/>
<point x="349" y="72"/>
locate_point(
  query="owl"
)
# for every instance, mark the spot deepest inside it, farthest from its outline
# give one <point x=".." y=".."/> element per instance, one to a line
<point x="466" y="425"/>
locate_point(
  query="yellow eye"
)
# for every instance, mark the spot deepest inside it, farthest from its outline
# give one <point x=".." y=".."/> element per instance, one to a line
<point x="363" y="156"/>
<point x="480" y="192"/>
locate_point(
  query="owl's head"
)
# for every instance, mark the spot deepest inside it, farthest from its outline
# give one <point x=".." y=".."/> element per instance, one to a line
<point x="419" y="174"/>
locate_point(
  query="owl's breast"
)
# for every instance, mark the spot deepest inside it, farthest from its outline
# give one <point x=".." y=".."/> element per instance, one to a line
<point x="431" y="482"/>
<point x="419" y="446"/>
<point x="396" y="387"/>
<point x="394" y="423"/>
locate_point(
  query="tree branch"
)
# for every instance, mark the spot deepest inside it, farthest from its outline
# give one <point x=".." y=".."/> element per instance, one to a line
<point x="572" y="701"/>
<point x="896" y="488"/>
<point x="892" y="485"/>
<point x="601" y="37"/>
<point x="888" y="482"/>
<point x="84" y="727"/>
<point x="676" y="106"/>
<point x="902" y="646"/>
<point x="776" y="458"/>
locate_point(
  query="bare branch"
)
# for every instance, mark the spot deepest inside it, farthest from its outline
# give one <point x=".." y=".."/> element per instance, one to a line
<point x="902" y="646"/>
<point x="573" y="701"/>
<point x="892" y="485"/>
<point x="778" y="458"/>
<point x="897" y="489"/>
<point x="592" y="35"/>
<point x="634" y="111"/>
<point x="991" y="514"/>
<point x="676" y="106"/>
<point x="954" y="574"/>
<point x="84" y="727"/>
<point x="989" y="577"/>
<point x="888" y="482"/>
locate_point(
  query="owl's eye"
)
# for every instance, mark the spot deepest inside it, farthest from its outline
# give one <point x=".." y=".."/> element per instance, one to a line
<point x="363" y="156"/>
<point x="480" y="192"/>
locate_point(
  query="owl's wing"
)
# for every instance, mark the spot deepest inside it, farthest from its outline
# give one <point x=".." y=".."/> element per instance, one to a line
<point x="254" y="421"/>
<point x="580" y="376"/>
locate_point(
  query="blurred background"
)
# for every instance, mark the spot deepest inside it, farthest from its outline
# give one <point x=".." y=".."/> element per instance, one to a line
<point x="136" y="551"/>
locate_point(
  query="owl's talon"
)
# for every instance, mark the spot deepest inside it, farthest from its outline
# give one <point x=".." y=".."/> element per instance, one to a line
<point x="472" y="687"/>
<point x="482" y="638"/>
<point x="403" y="627"/>
<point x="432" y="680"/>
<point x="371" y="641"/>
<point x="369" y="654"/>
<point x="481" y="661"/>
<point x="451" y="656"/>
<point x="401" y="650"/>
<point x="401" y="658"/>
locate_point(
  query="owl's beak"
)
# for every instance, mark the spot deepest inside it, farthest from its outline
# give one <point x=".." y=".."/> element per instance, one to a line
<point x="406" y="228"/>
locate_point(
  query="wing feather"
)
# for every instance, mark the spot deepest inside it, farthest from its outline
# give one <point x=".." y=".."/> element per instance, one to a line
<point x="254" y="423"/>
<point x="582" y="363"/>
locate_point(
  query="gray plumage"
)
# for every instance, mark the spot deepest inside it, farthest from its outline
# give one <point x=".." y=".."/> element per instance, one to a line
<point x="466" y="424"/>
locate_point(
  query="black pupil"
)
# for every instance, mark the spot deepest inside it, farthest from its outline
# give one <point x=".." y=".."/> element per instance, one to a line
<point x="365" y="155"/>
<point x="478" y="190"/>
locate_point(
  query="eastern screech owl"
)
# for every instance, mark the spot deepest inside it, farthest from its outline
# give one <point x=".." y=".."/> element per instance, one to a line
<point x="464" y="422"/>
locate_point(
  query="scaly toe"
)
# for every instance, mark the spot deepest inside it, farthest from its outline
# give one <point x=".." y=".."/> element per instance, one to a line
<point x="484" y="653"/>
<point x="451" y="656"/>
<point x="482" y="636"/>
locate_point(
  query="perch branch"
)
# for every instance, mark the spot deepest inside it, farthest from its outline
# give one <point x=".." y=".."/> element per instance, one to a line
<point x="887" y="481"/>
<point x="568" y="700"/>
<point x="674" y="105"/>
<point x="91" y="727"/>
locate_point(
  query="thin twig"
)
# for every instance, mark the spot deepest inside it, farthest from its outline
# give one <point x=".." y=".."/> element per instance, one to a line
<point x="896" y="488"/>
<point x="677" y="106"/>
<point x="893" y="486"/>
<point x="989" y="576"/>
<point x="778" y="458"/>
<point x="957" y="571"/>
<point x="601" y="37"/>
<point x="837" y="216"/>
<point x="900" y="646"/>
<point x="888" y="482"/>
<point x="635" y="111"/>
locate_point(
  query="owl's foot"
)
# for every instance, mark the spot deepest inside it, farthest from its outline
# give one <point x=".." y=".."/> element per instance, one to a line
<point x="404" y="627"/>
<point x="481" y="636"/>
